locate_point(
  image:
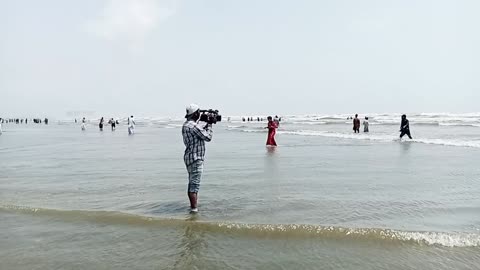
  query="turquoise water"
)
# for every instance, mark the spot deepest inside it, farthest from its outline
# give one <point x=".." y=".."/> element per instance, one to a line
<point x="324" y="199"/>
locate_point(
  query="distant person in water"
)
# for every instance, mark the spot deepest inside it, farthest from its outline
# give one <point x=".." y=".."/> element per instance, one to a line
<point x="100" y="125"/>
<point x="356" y="124"/>
<point x="1" y="121"/>
<point x="131" y="125"/>
<point x="113" y="124"/>
<point x="365" y="124"/>
<point x="84" y="124"/>
<point x="277" y="121"/>
<point x="272" y="126"/>
<point x="405" y="127"/>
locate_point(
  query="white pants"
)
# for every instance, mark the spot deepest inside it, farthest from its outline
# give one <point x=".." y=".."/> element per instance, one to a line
<point x="83" y="126"/>
<point x="131" y="130"/>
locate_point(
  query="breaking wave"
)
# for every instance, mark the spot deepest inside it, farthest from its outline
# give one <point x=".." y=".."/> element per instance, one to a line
<point x="454" y="239"/>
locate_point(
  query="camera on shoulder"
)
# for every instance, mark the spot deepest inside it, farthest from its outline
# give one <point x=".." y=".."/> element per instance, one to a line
<point x="210" y="116"/>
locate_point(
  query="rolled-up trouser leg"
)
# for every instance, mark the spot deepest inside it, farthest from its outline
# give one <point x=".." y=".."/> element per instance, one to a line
<point x="195" y="171"/>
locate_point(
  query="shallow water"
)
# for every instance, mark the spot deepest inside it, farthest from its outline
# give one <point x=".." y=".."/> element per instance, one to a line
<point x="324" y="199"/>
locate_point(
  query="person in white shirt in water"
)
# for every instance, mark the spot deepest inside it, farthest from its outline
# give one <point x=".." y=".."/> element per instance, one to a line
<point x="131" y="125"/>
<point x="365" y="124"/>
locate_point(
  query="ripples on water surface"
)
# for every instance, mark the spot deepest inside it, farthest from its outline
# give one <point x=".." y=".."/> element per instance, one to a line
<point x="96" y="200"/>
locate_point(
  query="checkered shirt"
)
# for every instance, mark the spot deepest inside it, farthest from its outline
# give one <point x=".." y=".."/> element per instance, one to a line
<point x="194" y="138"/>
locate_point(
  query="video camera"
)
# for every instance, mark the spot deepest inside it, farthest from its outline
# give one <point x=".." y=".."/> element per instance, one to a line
<point x="210" y="116"/>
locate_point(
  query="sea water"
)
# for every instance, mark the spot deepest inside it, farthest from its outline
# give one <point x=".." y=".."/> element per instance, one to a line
<point x="325" y="198"/>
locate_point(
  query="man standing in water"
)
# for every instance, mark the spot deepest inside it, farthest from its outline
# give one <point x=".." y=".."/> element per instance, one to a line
<point x="356" y="124"/>
<point x="194" y="138"/>
<point x="405" y="127"/>
<point x="131" y="125"/>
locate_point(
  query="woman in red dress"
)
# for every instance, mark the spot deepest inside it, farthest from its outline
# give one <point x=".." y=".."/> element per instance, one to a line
<point x="272" y="126"/>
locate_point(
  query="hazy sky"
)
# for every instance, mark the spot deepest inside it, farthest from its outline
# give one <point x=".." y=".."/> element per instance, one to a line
<point x="147" y="57"/>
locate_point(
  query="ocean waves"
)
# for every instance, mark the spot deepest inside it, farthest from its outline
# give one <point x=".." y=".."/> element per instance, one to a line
<point x="275" y="231"/>
<point x="435" y="119"/>
<point x="366" y="137"/>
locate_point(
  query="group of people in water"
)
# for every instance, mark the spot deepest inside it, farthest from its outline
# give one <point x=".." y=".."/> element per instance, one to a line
<point x="404" y="126"/>
<point x="273" y="124"/>
<point x="356" y="124"/>
<point x="113" y="123"/>
<point x="258" y="119"/>
<point x="21" y="120"/>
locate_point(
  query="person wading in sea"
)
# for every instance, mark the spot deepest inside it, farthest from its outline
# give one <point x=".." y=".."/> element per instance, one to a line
<point x="131" y="125"/>
<point x="84" y="124"/>
<point x="272" y="126"/>
<point x="365" y="125"/>
<point x="100" y="125"/>
<point x="356" y="124"/>
<point x="194" y="138"/>
<point x="405" y="127"/>
<point x="113" y="124"/>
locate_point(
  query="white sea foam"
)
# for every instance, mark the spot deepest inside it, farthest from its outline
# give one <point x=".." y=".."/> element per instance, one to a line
<point x="381" y="138"/>
<point x="459" y="124"/>
<point x="312" y="122"/>
<point x="174" y="125"/>
<point x="370" y="137"/>
<point x="456" y="239"/>
<point x="449" y="142"/>
<point x="442" y="239"/>
<point x="234" y="127"/>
